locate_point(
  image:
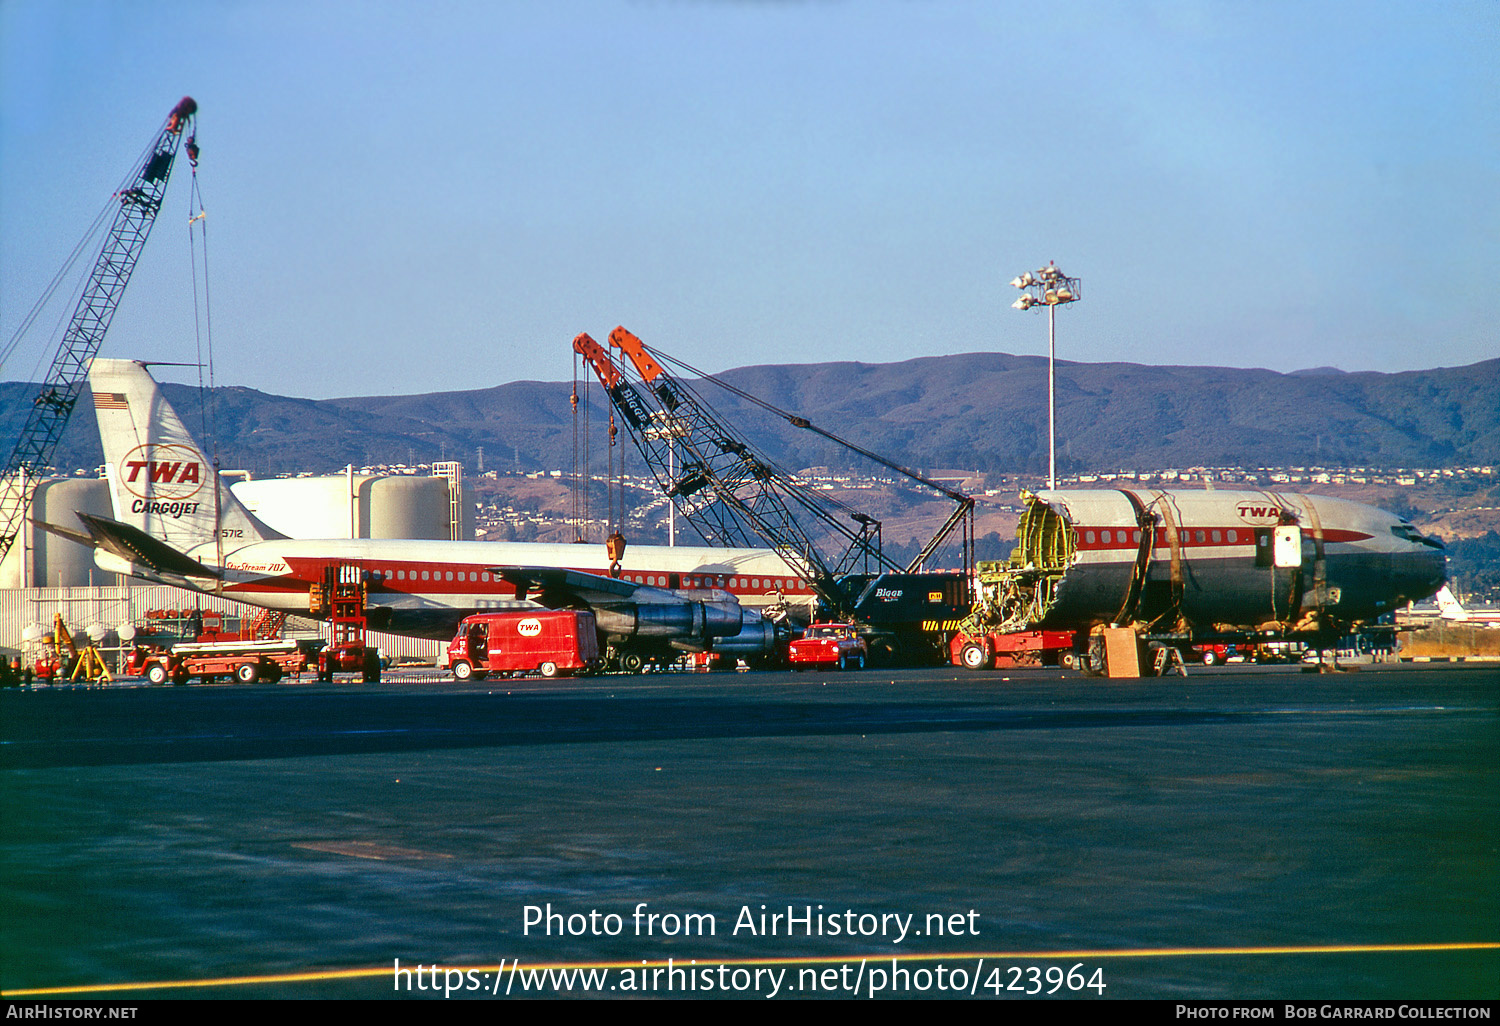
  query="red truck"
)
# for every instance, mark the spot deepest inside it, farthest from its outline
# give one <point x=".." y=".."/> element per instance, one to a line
<point x="829" y="644"/>
<point x="552" y="642"/>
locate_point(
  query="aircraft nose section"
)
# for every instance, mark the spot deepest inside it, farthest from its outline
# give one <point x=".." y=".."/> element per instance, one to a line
<point x="1422" y="574"/>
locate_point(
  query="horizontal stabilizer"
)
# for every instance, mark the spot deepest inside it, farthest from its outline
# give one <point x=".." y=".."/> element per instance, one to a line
<point x="79" y="537"/>
<point x="136" y="546"/>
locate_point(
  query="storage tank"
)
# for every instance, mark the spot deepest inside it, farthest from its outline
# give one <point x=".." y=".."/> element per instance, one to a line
<point x="307" y="507"/>
<point x="47" y="560"/>
<point x="408" y="507"/>
<point x="359" y="506"/>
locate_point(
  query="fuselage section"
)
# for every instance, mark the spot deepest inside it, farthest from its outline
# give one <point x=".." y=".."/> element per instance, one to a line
<point x="1209" y="558"/>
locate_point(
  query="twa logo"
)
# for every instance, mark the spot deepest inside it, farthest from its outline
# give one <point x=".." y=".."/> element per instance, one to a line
<point x="529" y="628"/>
<point x="162" y="471"/>
<point x="1251" y="513"/>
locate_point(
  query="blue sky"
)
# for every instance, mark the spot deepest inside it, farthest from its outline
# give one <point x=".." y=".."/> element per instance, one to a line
<point x="411" y="197"/>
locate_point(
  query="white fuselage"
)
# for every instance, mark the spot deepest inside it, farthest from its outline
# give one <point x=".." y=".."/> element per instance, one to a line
<point x="426" y="587"/>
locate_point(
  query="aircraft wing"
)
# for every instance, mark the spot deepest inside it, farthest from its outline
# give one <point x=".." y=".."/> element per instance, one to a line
<point x="561" y="588"/>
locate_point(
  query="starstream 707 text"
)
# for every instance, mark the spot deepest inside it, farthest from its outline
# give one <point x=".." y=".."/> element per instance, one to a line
<point x="865" y="978"/>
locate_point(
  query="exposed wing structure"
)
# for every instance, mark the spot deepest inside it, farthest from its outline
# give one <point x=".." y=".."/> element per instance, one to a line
<point x="563" y="588"/>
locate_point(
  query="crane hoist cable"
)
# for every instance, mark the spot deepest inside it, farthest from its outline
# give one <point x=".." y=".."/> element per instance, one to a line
<point x="197" y="225"/>
<point x="87" y="243"/>
<point x="963" y="512"/>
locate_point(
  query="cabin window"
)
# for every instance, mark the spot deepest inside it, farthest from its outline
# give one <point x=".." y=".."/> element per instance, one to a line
<point x="1233" y="537"/>
<point x="1106" y="537"/>
<point x="1088" y="537"/>
<point x="484" y="576"/>
<point x="1215" y="537"/>
<point x="424" y="575"/>
<point x="1136" y="537"/>
<point x="1198" y="537"/>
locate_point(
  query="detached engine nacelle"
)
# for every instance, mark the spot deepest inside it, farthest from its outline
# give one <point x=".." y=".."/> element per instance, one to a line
<point x="757" y="637"/>
<point x="686" y="620"/>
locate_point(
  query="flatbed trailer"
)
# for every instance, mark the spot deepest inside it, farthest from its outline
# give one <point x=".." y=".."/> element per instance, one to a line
<point x="993" y="650"/>
<point x="1114" y="651"/>
<point x="244" y="661"/>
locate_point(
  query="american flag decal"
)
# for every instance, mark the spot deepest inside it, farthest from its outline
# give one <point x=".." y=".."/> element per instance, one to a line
<point x="110" y="401"/>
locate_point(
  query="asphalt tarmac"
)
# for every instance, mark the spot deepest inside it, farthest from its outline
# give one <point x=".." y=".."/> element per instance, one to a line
<point x="1238" y="834"/>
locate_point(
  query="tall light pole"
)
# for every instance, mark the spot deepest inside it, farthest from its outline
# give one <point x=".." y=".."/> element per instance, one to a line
<point x="1051" y="288"/>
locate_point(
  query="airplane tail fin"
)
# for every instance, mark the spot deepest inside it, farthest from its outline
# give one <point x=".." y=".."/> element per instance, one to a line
<point x="1449" y="606"/>
<point x="160" y="482"/>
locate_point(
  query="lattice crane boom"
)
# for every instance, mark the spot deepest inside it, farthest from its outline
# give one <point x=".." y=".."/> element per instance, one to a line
<point x="730" y="493"/>
<point x="139" y="203"/>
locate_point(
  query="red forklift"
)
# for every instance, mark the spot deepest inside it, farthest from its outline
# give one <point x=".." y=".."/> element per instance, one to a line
<point x="340" y="596"/>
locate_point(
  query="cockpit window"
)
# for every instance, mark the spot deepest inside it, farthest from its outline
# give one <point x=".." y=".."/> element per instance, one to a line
<point x="1407" y="532"/>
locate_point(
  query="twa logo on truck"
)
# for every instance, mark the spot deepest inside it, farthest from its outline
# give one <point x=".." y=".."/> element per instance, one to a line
<point x="529" y="628"/>
<point x="170" y="472"/>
